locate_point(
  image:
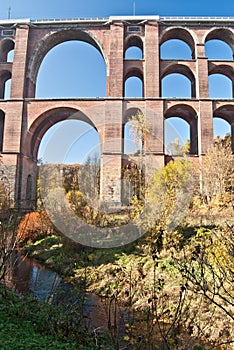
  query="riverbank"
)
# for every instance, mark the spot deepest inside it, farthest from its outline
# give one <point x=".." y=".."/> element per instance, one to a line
<point x="30" y="325"/>
<point x="161" y="303"/>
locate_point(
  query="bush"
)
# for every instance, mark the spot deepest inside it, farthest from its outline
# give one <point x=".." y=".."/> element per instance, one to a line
<point x="33" y="226"/>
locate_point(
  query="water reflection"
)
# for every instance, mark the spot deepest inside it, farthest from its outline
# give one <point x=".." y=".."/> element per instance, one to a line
<point x="29" y="277"/>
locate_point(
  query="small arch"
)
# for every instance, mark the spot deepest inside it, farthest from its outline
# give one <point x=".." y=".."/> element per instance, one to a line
<point x="223" y="69"/>
<point x="5" y="76"/>
<point x="2" y="122"/>
<point x="6" y="50"/>
<point x="176" y="85"/>
<point x="221" y="127"/>
<point x="222" y="34"/>
<point x="188" y="114"/>
<point x="226" y="113"/>
<point x="133" y="85"/>
<point x="133" y="48"/>
<point x="179" y="33"/>
<point x="133" y="53"/>
<point x="132" y="181"/>
<point x="176" y="136"/>
<point x="132" y="143"/>
<point x="10" y="56"/>
<point x="220" y="86"/>
<point x="181" y="69"/>
<point x="7" y="89"/>
<point x="216" y="49"/>
<point x="175" y="49"/>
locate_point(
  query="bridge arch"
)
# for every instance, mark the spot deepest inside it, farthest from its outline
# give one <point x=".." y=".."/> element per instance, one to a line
<point x="224" y="69"/>
<point x="48" y="42"/>
<point x="32" y="142"/>
<point x="181" y="34"/>
<point x="183" y="70"/>
<point x="6" y="45"/>
<point x="134" y="41"/>
<point x="226" y="112"/>
<point x="5" y="75"/>
<point x="224" y="34"/>
<point x="45" y="121"/>
<point x="188" y="114"/>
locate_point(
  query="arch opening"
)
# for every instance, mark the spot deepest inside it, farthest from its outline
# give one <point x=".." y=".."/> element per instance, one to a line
<point x="133" y="87"/>
<point x="77" y="156"/>
<point x="5" y="84"/>
<point x="7" y="50"/>
<point x="216" y="49"/>
<point x="176" y="85"/>
<point x="83" y="143"/>
<point x="133" y="53"/>
<point x="133" y="143"/>
<point x="224" y="122"/>
<point x="7" y="89"/>
<point x="177" y="136"/>
<point x="65" y="67"/>
<point x="221" y="127"/>
<point x="220" y="86"/>
<point x="224" y="35"/>
<point x="10" y="56"/>
<point x="174" y="49"/>
<point x="179" y="33"/>
<point x="180" y="130"/>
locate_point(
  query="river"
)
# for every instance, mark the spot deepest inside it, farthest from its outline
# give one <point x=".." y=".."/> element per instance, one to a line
<point x="30" y="277"/>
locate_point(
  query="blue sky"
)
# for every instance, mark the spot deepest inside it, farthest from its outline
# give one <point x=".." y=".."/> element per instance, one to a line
<point x="96" y="8"/>
<point x="80" y="147"/>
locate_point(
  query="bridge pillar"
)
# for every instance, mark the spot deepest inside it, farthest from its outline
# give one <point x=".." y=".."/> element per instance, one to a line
<point x="154" y="143"/>
<point x="152" y="62"/>
<point x="115" y="74"/>
<point x="20" y="62"/>
<point x="111" y="158"/>
<point x="205" y="127"/>
<point x="202" y="89"/>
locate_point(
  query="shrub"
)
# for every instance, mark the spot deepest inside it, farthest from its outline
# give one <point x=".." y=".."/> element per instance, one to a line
<point x="34" y="225"/>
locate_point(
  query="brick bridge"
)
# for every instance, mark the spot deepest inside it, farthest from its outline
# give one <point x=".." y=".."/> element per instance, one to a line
<point x="24" y="119"/>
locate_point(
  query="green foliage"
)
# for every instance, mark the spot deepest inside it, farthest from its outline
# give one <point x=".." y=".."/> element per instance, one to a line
<point x="167" y="201"/>
<point x="29" y="324"/>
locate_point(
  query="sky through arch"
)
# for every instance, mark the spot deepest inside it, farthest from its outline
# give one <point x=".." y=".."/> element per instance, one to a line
<point x="72" y="69"/>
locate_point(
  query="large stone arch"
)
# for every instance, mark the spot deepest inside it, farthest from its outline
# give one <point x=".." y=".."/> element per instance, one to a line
<point x="45" y="121"/>
<point x="179" y="33"/>
<point x="32" y="142"/>
<point x="49" y="41"/>
<point x="188" y="114"/>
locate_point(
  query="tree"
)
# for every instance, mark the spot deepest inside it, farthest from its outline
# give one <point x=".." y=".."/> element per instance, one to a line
<point x="167" y="199"/>
<point x="217" y="172"/>
<point x="175" y="148"/>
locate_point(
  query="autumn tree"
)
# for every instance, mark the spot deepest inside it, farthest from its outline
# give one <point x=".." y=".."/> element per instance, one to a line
<point x="167" y="199"/>
<point x="217" y="172"/>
